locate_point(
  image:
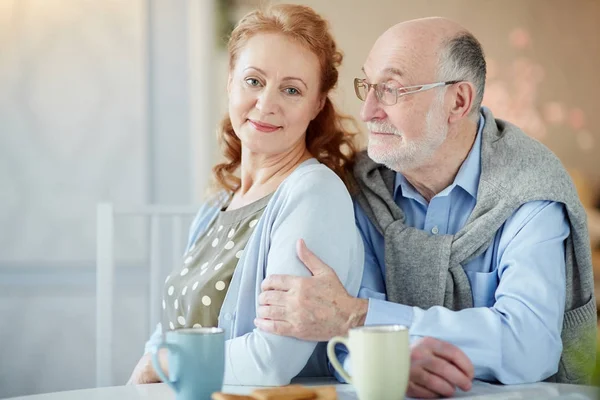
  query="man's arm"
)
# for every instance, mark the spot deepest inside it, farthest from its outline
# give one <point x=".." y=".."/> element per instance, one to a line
<point x="516" y="340"/>
<point x="436" y="368"/>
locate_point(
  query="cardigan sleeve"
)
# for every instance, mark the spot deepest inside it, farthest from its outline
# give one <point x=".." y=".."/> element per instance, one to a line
<point x="318" y="209"/>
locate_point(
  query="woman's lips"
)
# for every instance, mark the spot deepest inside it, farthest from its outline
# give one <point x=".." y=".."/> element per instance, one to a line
<point x="262" y="126"/>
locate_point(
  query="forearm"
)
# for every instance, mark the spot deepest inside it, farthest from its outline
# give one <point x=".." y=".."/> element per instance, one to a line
<point x="510" y="348"/>
<point x="262" y="359"/>
<point x="507" y="343"/>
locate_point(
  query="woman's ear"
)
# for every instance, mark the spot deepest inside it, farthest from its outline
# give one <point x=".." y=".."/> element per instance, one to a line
<point x="320" y="106"/>
<point x="229" y="80"/>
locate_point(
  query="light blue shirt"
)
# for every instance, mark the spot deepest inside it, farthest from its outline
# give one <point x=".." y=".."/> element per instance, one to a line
<point x="512" y="335"/>
<point x="312" y="204"/>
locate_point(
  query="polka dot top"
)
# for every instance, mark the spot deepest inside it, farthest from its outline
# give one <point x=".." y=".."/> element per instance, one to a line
<point x="193" y="294"/>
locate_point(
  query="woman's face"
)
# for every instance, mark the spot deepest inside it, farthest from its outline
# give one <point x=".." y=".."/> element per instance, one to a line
<point x="273" y="94"/>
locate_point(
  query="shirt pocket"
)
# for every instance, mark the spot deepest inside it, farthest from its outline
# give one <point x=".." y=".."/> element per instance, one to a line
<point x="483" y="287"/>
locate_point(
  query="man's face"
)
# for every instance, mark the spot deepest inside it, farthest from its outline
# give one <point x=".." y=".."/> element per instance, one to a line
<point x="405" y="135"/>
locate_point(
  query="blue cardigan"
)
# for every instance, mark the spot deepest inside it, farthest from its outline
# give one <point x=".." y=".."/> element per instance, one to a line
<point x="313" y="204"/>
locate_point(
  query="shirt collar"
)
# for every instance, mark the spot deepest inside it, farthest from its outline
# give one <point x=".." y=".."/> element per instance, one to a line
<point x="467" y="177"/>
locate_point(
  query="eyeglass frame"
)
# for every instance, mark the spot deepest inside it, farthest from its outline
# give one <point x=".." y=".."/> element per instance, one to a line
<point x="397" y="90"/>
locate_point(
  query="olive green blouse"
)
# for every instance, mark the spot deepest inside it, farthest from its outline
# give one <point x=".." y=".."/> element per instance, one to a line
<point x="194" y="293"/>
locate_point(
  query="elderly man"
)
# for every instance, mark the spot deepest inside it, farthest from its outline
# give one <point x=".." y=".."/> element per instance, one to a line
<point x="473" y="229"/>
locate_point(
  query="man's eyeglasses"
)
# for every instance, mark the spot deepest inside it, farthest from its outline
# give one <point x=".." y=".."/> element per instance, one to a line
<point x="387" y="94"/>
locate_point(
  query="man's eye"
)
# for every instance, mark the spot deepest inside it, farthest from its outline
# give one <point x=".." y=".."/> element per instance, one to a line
<point x="389" y="89"/>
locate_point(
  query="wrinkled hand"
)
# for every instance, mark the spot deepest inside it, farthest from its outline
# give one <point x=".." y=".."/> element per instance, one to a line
<point x="314" y="308"/>
<point x="437" y="368"/>
<point x="144" y="371"/>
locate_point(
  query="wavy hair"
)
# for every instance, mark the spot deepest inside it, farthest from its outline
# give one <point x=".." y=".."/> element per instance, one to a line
<point x="328" y="138"/>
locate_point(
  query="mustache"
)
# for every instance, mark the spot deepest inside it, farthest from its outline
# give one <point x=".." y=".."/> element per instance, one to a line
<point x="382" y="127"/>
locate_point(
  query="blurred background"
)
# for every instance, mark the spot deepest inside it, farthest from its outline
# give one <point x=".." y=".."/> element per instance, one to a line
<point x="117" y="101"/>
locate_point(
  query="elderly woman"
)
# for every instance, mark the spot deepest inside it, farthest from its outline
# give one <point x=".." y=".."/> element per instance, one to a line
<point x="292" y="153"/>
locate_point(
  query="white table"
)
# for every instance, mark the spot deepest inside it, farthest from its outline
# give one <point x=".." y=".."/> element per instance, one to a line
<point x="480" y="390"/>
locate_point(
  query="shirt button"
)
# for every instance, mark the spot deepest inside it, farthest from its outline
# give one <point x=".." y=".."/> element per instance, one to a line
<point x="435" y="230"/>
<point x="227" y="317"/>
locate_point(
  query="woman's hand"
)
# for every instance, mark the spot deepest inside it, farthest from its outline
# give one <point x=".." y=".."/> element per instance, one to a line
<point x="144" y="371"/>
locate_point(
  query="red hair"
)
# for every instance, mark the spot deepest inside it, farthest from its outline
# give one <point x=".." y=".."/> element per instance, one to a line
<point x="327" y="139"/>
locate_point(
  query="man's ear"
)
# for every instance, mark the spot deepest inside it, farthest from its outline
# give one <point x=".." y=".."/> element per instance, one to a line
<point x="463" y="98"/>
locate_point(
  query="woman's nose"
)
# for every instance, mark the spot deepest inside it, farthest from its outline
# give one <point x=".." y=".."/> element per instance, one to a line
<point x="267" y="101"/>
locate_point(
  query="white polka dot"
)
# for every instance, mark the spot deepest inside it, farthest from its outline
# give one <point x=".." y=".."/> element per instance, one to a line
<point x="220" y="285"/>
<point x="204" y="266"/>
<point x="188" y="260"/>
<point x="184" y="291"/>
<point x="253" y="223"/>
<point x="181" y="320"/>
<point x="197" y="326"/>
<point x="203" y="272"/>
<point x="195" y="286"/>
<point x="215" y="242"/>
<point x="231" y="232"/>
<point x="229" y="245"/>
<point x="210" y="232"/>
<point x="171" y="290"/>
<point x="220" y="228"/>
<point x="218" y="266"/>
<point x="184" y="272"/>
<point x="206" y="300"/>
<point x="239" y="254"/>
<point x="167" y="280"/>
<point x="164" y="305"/>
<point x="171" y="325"/>
<point x="176" y="305"/>
<point x="189" y="306"/>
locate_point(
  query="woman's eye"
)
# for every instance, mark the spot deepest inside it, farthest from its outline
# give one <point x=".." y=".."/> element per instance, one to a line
<point x="292" y="91"/>
<point x="252" y="82"/>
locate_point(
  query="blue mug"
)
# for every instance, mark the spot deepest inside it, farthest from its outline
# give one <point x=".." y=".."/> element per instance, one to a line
<point x="196" y="359"/>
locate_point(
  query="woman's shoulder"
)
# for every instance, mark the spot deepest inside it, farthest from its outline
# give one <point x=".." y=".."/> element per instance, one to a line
<point x="310" y="174"/>
<point x="208" y="209"/>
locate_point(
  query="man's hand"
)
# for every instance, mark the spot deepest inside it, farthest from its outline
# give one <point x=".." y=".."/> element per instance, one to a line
<point x="437" y="368"/>
<point x="313" y="308"/>
<point x="144" y="371"/>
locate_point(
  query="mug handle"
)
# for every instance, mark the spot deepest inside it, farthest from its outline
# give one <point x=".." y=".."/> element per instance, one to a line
<point x="333" y="358"/>
<point x="156" y="363"/>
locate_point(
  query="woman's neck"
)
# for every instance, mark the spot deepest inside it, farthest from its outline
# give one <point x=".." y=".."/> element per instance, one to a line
<point x="262" y="174"/>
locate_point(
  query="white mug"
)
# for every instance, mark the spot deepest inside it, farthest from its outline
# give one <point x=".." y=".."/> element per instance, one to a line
<point x="379" y="361"/>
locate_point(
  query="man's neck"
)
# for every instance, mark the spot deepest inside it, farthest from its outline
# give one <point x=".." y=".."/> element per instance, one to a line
<point x="439" y="173"/>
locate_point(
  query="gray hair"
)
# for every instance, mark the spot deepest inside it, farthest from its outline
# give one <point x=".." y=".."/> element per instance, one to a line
<point x="462" y="58"/>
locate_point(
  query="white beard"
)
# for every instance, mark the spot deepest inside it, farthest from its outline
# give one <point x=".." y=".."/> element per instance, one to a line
<point x="410" y="154"/>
